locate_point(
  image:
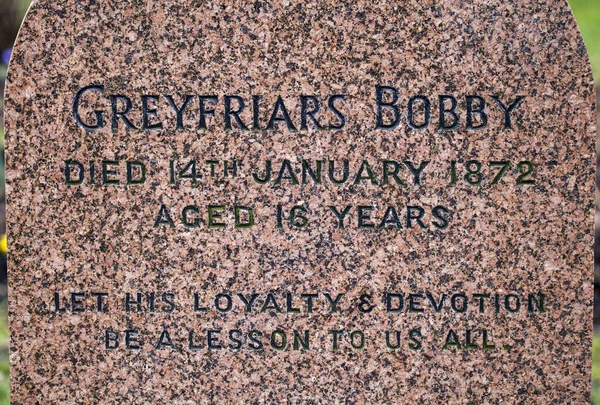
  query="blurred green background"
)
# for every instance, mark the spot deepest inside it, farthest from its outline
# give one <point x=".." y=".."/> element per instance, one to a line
<point x="587" y="13"/>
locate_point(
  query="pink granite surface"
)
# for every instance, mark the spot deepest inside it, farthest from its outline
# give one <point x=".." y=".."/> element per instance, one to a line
<point x="473" y="274"/>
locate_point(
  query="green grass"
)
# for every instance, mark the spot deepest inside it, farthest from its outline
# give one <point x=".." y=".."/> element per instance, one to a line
<point x="587" y="13"/>
<point x="4" y="374"/>
<point x="596" y="370"/>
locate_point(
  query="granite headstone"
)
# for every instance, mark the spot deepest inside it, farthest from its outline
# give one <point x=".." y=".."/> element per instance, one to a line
<point x="316" y="202"/>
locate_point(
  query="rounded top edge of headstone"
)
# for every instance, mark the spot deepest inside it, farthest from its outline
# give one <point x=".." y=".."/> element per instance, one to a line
<point x="52" y="20"/>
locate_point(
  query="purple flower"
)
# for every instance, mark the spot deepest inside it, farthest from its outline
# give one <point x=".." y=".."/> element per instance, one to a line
<point x="6" y="55"/>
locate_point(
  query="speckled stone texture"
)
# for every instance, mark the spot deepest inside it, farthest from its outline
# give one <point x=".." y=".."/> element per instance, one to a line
<point x="470" y="281"/>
